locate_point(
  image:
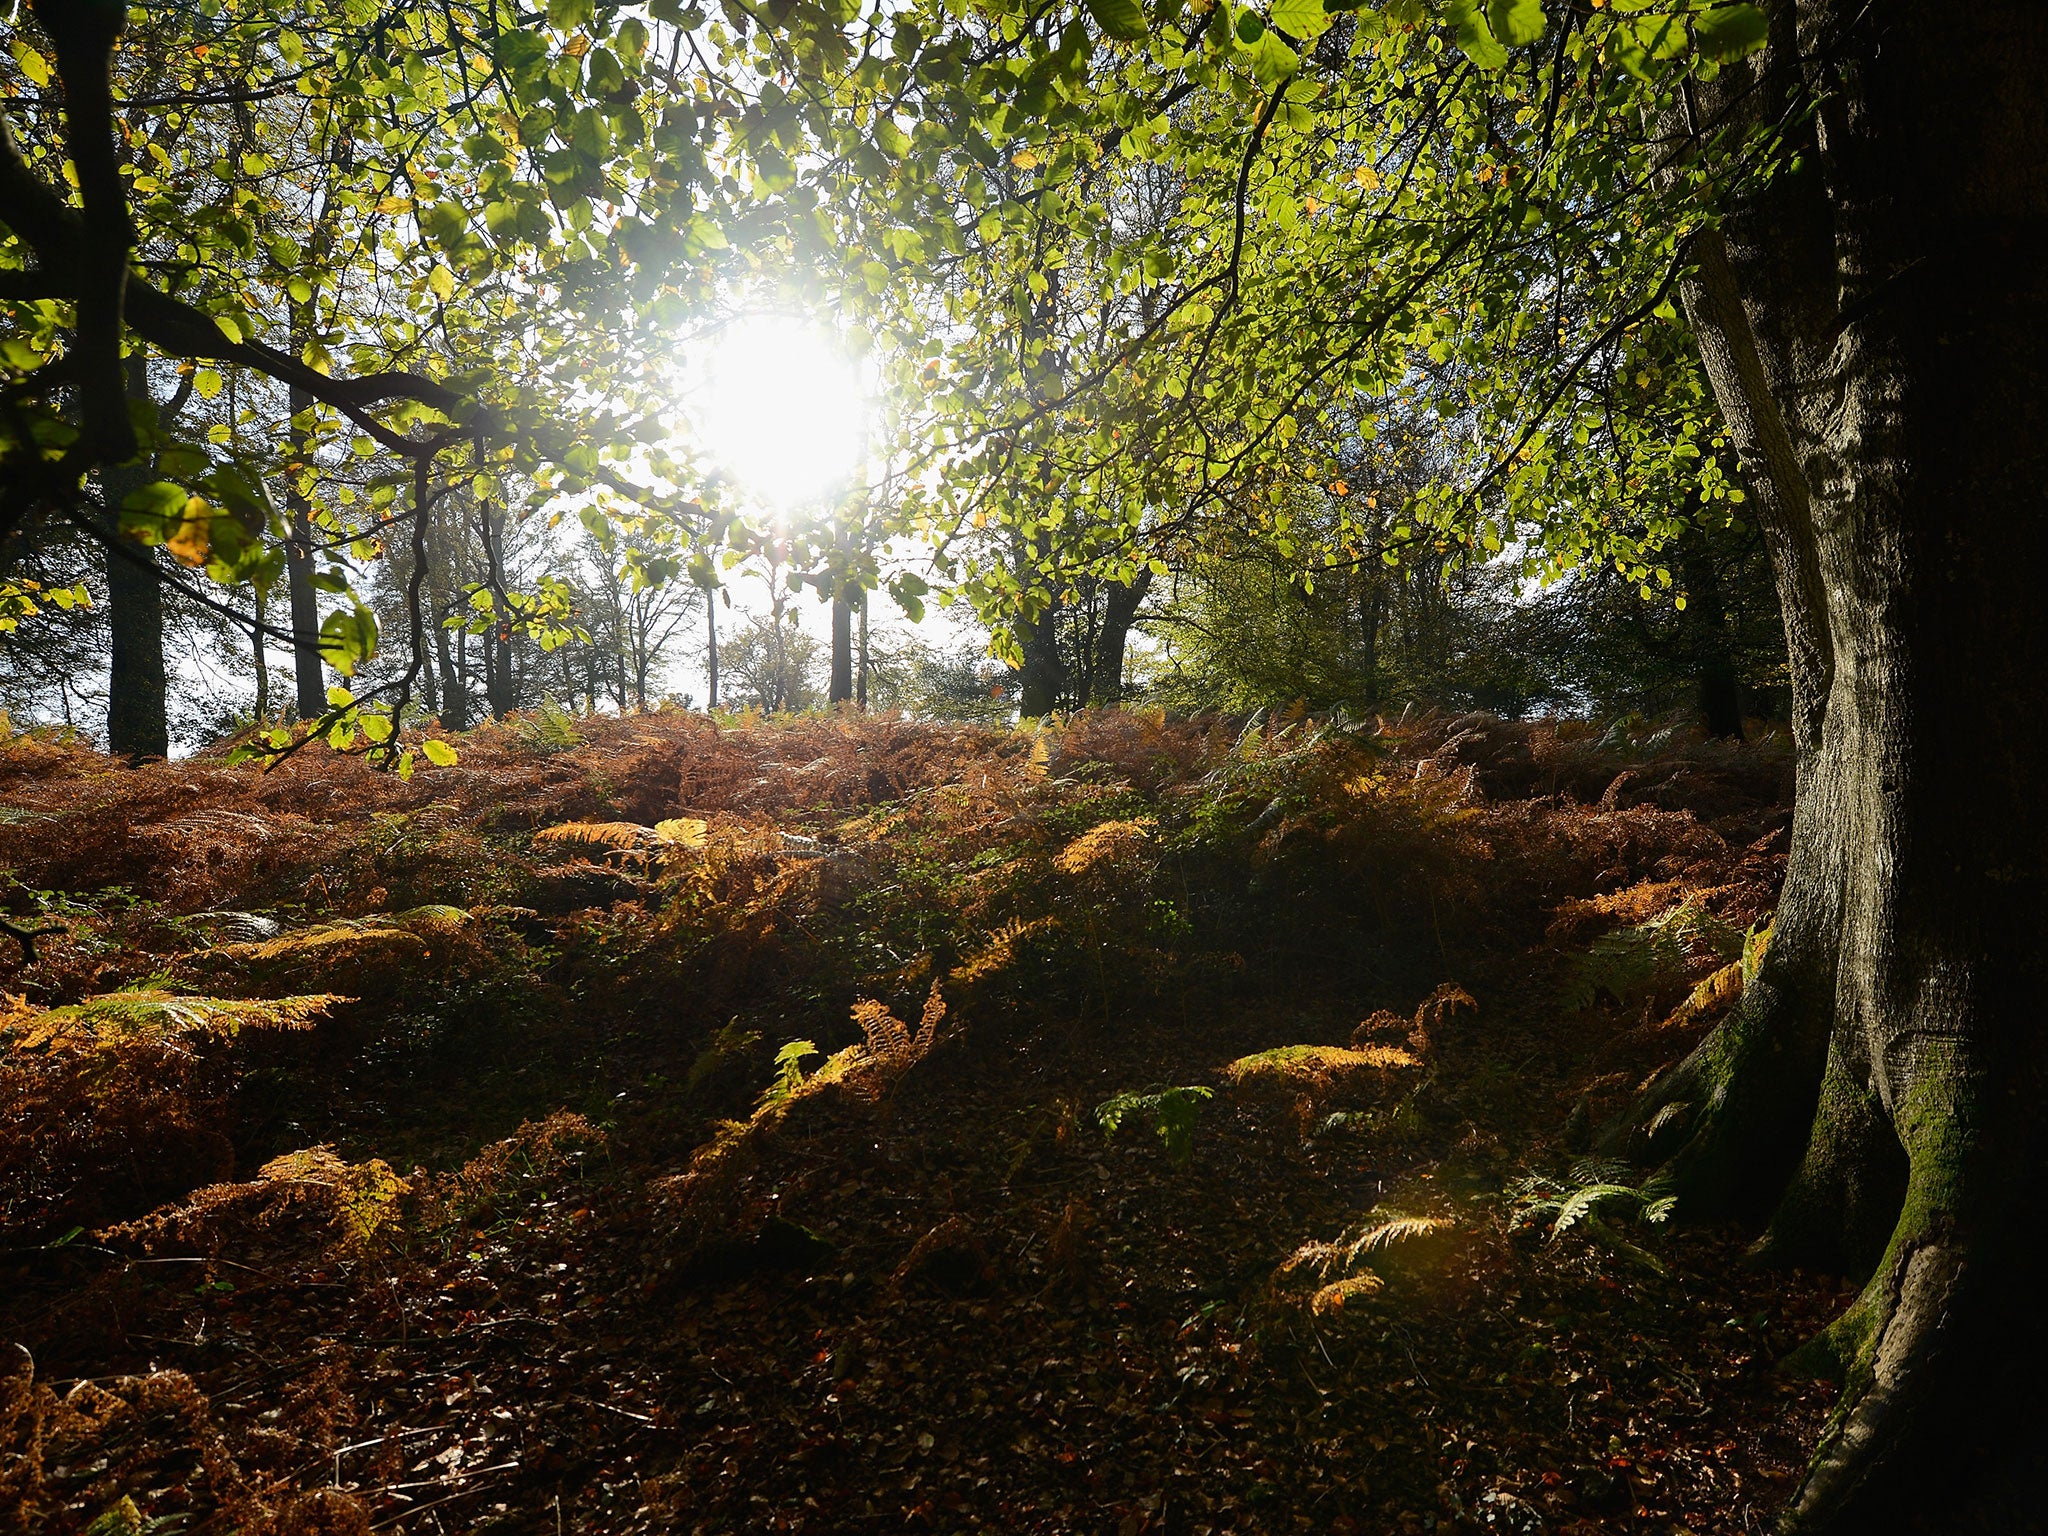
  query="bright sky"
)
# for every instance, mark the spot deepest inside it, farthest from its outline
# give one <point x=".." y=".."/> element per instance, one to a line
<point x="780" y="409"/>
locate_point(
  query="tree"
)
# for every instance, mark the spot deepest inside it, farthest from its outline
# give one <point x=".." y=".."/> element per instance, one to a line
<point x="443" y="239"/>
<point x="1871" y="326"/>
<point x="773" y="664"/>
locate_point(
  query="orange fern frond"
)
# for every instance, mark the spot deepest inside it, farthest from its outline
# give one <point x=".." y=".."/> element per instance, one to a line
<point x="599" y="834"/>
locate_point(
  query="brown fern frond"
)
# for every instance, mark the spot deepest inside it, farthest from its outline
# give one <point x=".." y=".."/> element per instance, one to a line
<point x="1392" y="1232"/>
<point x="123" y="1017"/>
<point x="886" y="1034"/>
<point x="1334" y="1297"/>
<point x="599" y="834"/>
<point x="1107" y="843"/>
<point x="928" y="1026"/>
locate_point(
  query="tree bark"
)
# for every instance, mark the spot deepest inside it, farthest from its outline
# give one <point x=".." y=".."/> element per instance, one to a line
<point x="711" y="632"/>
<point x="138" y="704"/>
<point x="137" y="685"/>
<point x="841" y="689"/>
<point x="298" y="567"/>
<point x="1120" y="612"/>
<point x="1873" y="330"/>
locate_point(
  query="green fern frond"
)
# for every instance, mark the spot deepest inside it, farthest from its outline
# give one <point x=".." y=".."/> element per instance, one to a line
<point x="1631" y="961"/>
<point x="1589" y="1200"/>
<point x="1171" y="1112"/>
<point x="551" y="728"/>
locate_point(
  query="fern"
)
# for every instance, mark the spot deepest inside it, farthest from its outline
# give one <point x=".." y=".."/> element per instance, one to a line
<point x="551" y="728"/>
<point x="789" y="1073"/>
<point x="1335" y="1296"/>
<point x="124" y="1017"/>
<point x="364" y="1195"/>
<point x="890" y="1043"/>
<point x="1171" y="1112"/>
<point x="1632" y="961"/>
<point x="1108" y="843"/>
<point x="618" y="835"/>
<point x="1392" y="1231"/>
<point x="1595" y="1191"/>
<point x="628" y="842"/>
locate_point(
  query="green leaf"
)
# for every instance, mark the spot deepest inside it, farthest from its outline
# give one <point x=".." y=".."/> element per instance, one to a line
<point x="1251" y="26"/>
<point x="1515" y="22"/>
<point x="1272" y="60"/>
<point x="1475" y="37"/>
<point x="1730" y="32"/>
<point x="348" y="637"/>
<point x="1119" y="18"/>
<point x="1305" y="19"/>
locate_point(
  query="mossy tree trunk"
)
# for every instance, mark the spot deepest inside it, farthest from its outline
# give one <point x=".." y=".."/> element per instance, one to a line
<point x="1875" y="332"/>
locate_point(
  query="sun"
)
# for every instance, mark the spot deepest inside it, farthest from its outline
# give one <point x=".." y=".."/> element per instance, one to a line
<point x="780" y="409"/>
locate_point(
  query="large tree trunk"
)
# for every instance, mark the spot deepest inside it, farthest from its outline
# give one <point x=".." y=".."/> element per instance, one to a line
<point x="1106" y="684"/>
<point x="138" y="703"/>
<point x="1874" y="330"/>
<point x="137" y="687"/>
<point x="1043" y="677"/>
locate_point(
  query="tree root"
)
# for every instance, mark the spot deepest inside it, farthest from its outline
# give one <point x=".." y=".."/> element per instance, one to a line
<point x="1730" y="1119"/>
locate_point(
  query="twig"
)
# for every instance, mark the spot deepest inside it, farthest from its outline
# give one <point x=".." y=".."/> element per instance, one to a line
<point x="26" y="936"/>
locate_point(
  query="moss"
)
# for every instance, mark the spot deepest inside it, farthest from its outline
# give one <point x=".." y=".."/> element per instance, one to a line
<point x="1936" y="1124"/>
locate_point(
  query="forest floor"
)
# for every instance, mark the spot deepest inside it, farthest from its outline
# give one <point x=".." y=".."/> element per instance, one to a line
<point x="1195" y="1138"/>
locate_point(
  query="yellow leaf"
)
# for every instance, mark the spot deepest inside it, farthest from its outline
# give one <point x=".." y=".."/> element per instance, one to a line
<point x="189" y="545"/>
<point x="439" y="753"/>
<point x="442" y="281"/>
<point x="32" y="63"/>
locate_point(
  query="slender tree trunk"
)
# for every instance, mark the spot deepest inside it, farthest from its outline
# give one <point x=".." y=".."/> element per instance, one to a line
<point x="860" y="682"/>
<point x="311" y="680"/>
<point x="841" y="689"/>
<point x="1873" y="330"/>
<point x="711" y="632"/>
<point x="454" y="692"/>
<point x="1371" y="615"/>
<point x="258" y="655"/>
